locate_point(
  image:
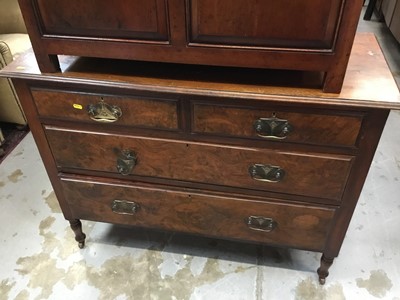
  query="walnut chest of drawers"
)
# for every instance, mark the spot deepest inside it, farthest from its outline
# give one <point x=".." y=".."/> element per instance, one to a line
<point x="312" y="35"/>
<point x="215" y="152"/>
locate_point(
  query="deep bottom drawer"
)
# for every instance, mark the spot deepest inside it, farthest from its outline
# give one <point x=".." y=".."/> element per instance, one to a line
<point x="299" y="226"/>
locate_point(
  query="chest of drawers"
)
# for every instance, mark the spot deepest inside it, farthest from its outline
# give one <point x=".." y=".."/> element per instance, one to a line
<point x="311" y="35"/>
<point x="189" y="150"/>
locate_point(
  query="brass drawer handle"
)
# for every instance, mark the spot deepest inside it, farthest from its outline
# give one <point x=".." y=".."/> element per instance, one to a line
<point x="124" y="207"/>
<point x="273" y="128"/>
<point x="266" y="173"/>
<point x="261" y="223"/>
<point x="103" y="112"/>
<point x="126" y="161"/>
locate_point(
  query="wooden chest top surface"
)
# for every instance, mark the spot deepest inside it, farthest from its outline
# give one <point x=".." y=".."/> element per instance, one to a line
<point x="368" y="81"/>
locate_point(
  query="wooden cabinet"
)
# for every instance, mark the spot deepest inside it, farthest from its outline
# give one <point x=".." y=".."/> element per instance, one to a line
<point x="199" y="150"/>
<point x="310" y="35"/>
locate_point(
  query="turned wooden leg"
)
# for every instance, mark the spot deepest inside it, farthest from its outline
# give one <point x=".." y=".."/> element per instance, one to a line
<point x="322" y="271"/>
<point x="80" y="237"/>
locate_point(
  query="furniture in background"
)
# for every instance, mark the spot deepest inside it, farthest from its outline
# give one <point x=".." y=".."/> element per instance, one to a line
<point x="372" y="4"/>
<point x="309" y="35"/>
<point x="250" y="155"/>
<point x="391" y="13"/>
<point x="1" y="142"/>
<point x="13" y="41"/>
<point x="387" y="10"/>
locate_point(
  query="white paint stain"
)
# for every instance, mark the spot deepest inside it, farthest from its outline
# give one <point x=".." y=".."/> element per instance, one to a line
<point x="378" y="283"/>
<point x="310" y="289"/>
<point x="15" y="176"/>
<point x="5" y="287"/>
<point x="52" y="202"/>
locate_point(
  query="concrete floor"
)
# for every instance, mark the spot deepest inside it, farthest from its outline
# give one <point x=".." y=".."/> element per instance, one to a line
<point x="40" y="259"/>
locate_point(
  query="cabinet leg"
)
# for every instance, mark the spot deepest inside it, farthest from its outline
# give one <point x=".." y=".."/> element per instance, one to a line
<point x="322" y="271"/>
<point x="48" y="63"/>
<point x="333" y="81"/>
<point x="80" y="237"/>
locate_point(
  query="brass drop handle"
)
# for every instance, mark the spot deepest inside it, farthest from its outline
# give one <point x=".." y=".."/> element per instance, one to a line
<point x="124" y="207"/>
<point x="126" y="161"/>
<point x="272" y="128"/>
<point x="261" y="223"/>
<point x="266" y="173"/>
<point x="103" y="112"/>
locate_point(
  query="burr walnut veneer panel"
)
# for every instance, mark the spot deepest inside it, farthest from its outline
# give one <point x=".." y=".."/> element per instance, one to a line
<point x="296" y="225"/>
<point x="308" y="174"/>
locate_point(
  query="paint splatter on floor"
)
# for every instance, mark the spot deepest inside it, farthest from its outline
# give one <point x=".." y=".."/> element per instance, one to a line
<point x="378" y="283"/>
<point x="52" y="202"/>
<point x="15" y="176"/>
<point x="310" y="289"/>
<point x="5" y="288"/>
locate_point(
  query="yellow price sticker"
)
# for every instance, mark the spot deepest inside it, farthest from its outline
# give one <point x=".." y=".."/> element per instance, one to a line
<point x="77" y="106"/>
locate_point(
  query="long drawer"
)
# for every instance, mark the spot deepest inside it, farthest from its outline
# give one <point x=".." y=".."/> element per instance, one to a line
<point x="334" y="129"/>
<point x="104" y="108"/>
<point x="308" y="174"/>
<point x="118" y="202"/>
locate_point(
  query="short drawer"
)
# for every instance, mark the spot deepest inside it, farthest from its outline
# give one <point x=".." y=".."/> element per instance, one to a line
<point x="291" y="126"/>
<point x="110" y="109"/>
<point x="308" y="174"/>
<point x="222" y="216"/>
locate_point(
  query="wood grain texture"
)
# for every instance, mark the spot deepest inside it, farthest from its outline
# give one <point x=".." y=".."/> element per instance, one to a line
<point x="372" y="128"/>
<point x="309" y="174"/>
<point x="104" y="19"/>
<point x="288" y="42"/>
<point x="136" y="111"/>
<point x="308" y="128"/>
<point x="264" y="23"/>
<point x="298" y="226"/>
<point x="196" y="179"/>
<point x="38" y="134"/>
<point x="363" y="87"/>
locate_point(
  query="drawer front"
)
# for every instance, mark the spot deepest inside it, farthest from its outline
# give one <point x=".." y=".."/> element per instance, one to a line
<point x="307" y="174"/>
<point x="113" y="110"/>
<point x="274" y="223"/>
<point x="310" y="128"/>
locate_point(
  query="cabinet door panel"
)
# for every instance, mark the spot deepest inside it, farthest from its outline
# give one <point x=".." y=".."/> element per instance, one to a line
<point x="266" y="23"/>
<point x="133" y="19"/>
